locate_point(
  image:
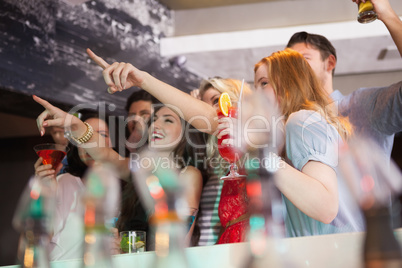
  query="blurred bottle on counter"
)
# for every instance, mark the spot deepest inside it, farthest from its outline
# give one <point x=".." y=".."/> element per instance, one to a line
<point x="381" y="248"/>
<point x="168" y="219"/>
<point x="169" y="241"/>
<point x="100" y="200"/>
<point x="265" y="200"/>
<point x="33" y="218"/>
<point x="374" y="183"/>
<point x="265" y="208"/>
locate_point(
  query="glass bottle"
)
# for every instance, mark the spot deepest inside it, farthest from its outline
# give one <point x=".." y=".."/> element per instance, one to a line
<point x="168" y="220"/>
<point x="266" y="221"/>
<point x="373" y="183"/>
<point x="100" y="203"/>
<point x="169" y="241"/>
<point x="33" y="218"/>
<point x="381" y="248"/>
<point x="35" y="239"/>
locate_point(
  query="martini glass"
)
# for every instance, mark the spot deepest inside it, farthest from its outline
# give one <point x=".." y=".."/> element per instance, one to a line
<point x="230" y="152"/>
<point x="51" y="153"/>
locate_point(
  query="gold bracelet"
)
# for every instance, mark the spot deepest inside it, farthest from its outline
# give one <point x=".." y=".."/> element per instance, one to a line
<point x="87" y="135"/>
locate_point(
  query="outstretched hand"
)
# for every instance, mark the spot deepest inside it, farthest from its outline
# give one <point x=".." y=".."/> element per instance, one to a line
<point x="118" y="76"/>
<point x="51" y="117"/>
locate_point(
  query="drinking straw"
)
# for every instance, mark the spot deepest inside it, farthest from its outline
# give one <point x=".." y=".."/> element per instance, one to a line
<point x="241" y="90"/>
<point x="239" y="109"/>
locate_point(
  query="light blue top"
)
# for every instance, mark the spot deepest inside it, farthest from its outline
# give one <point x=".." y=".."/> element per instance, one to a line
<point x="309" y="137"/>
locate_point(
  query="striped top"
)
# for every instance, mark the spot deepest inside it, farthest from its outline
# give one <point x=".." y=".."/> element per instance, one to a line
<point x="208" y="221"/>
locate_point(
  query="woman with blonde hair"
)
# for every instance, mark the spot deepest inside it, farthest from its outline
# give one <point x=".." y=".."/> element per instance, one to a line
<point x="317" y="201"/>
<point x="209" y="92"/>
<point x="223" y="206"/>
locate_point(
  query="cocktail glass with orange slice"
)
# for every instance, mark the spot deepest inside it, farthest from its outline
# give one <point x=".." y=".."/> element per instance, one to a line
<point x="229" y="152"/>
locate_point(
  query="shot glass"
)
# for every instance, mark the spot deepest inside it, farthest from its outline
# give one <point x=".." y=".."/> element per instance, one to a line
<point x="132" y="241"/>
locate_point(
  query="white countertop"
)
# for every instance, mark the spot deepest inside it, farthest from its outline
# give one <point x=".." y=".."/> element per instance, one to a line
<point x="337" y="250"/>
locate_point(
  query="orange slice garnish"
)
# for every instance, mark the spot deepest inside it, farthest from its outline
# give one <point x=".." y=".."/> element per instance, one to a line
<point x="224" y="103"/>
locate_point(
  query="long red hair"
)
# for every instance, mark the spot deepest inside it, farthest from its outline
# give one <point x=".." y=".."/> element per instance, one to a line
<point x="297" y="88"/>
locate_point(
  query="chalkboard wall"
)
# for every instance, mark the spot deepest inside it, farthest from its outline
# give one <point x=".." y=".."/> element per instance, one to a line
<point x="43" y="42"/>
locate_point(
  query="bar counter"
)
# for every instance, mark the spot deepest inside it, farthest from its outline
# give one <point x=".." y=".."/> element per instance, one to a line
<point x="337" y="250"/>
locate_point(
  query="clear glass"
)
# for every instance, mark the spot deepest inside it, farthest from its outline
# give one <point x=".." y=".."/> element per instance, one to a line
<point x="133" y="241"/>
<point x="366" y="12"/>
<point x="230" y="152"/>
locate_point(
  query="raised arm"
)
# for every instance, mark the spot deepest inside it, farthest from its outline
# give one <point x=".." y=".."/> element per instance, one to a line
<point x="121" y="76"/>
<point x="391" y="20"/>
<point x="53" y="116"/>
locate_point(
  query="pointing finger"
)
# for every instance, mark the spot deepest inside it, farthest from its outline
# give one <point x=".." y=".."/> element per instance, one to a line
<point x="98" y="60"/>
<point x="42" y="102"/>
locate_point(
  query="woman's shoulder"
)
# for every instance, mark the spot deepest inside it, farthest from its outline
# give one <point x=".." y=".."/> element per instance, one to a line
<point x="303" y="115"/>
<point x="66" y="179"/>
<point x="191" y="173"/>
<point x="191" y="170"/>
<point x="303" y="118"/>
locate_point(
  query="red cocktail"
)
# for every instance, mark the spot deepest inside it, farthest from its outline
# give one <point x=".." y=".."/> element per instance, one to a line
<point x="51" y="153"/>
<point x="230" y="152"/>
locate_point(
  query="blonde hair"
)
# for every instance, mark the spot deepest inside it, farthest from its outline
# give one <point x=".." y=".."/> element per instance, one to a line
<point x="297" y="87"/>
<point x="230" y="86"/>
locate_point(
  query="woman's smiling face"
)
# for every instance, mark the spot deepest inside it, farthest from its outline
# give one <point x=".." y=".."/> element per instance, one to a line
<point x="166" y="130"/>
